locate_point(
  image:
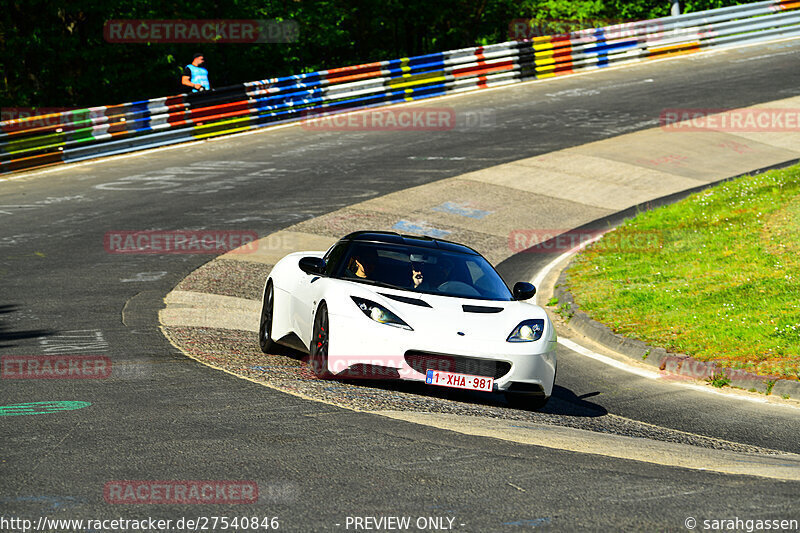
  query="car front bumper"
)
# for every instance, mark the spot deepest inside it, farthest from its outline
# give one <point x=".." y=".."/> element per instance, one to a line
<point x="364" y="349"/>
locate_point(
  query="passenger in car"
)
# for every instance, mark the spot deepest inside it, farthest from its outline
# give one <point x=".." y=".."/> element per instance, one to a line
<point x="363" y="262"/>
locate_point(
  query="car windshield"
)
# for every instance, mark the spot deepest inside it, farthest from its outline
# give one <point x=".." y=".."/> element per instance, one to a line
<point x="424" y="270"/>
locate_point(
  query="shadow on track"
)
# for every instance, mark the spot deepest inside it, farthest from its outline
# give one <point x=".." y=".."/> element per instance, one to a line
<point x="563" y="401"/>
<point x="7" y="336"/>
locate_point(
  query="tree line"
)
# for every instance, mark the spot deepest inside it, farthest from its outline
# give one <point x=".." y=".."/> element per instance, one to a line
<point x="54" y="53"/>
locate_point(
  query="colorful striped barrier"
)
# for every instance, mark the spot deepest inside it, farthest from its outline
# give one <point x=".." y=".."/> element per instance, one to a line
<point x="109" y="130"/>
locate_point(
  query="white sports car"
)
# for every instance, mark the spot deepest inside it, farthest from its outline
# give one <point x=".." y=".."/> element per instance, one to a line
<point x="384" y="305"/>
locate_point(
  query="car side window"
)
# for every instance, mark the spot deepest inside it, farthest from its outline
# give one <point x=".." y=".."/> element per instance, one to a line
<point x="334" y="257"/>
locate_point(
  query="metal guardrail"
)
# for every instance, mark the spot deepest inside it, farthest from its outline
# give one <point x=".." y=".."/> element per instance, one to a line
<point x="108" y="130"/>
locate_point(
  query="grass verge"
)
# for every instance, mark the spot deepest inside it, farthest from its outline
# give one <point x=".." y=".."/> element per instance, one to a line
<point x="715" y="276"/>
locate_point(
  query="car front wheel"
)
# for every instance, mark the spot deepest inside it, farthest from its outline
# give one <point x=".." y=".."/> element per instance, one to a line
<point x="319" y="343"/>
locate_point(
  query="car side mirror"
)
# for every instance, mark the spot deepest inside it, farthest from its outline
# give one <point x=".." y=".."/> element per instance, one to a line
<point x="312" y="265"/>
<point x="523" y="290"/>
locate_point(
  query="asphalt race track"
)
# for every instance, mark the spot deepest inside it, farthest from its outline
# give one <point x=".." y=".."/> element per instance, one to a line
<point x="161" y="416"/>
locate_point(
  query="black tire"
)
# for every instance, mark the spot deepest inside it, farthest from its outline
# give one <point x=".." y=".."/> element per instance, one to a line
<point x="265" y="325"/>
<point x="320" y="340"/>
<point x="528" y="402"/>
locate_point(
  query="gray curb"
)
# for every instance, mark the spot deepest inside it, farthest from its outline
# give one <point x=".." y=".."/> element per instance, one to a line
<point x="675" y="363"/>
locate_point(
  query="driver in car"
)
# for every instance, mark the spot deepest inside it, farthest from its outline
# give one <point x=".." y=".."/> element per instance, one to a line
<point x="418" y="276"/>
<point x="426" y="276"/>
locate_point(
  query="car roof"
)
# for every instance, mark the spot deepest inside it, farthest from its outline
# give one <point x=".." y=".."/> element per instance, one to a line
<point x="391" y="237"/>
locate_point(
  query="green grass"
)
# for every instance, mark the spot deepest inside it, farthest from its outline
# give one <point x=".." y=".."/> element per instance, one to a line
<point x="715" y="276"/>
<point x="719" y="380"/>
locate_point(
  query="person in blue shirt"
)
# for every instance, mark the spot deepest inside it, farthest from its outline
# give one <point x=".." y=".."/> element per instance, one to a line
<point x="195" y="75"/>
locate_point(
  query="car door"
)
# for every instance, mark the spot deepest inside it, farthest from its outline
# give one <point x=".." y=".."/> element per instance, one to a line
<point x="308" y="293"/>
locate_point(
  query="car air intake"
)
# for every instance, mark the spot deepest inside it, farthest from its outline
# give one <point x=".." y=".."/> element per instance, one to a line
<point x="480" y="309"/>
<point x="406" y="299"/>
<point x="424" y="361"/>
<point x="533" y="388"/>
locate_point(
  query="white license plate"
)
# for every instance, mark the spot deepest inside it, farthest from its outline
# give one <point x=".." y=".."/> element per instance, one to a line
<point x="458" y="381"/>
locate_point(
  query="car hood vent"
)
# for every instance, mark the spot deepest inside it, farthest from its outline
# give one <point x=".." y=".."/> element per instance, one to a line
<point x="406" y="299"/>
<point x="480" y="309"/>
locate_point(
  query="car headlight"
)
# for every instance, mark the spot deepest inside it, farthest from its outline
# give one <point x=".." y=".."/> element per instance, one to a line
<point x="527" y="331"/>
<point x="379" y="313"/>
